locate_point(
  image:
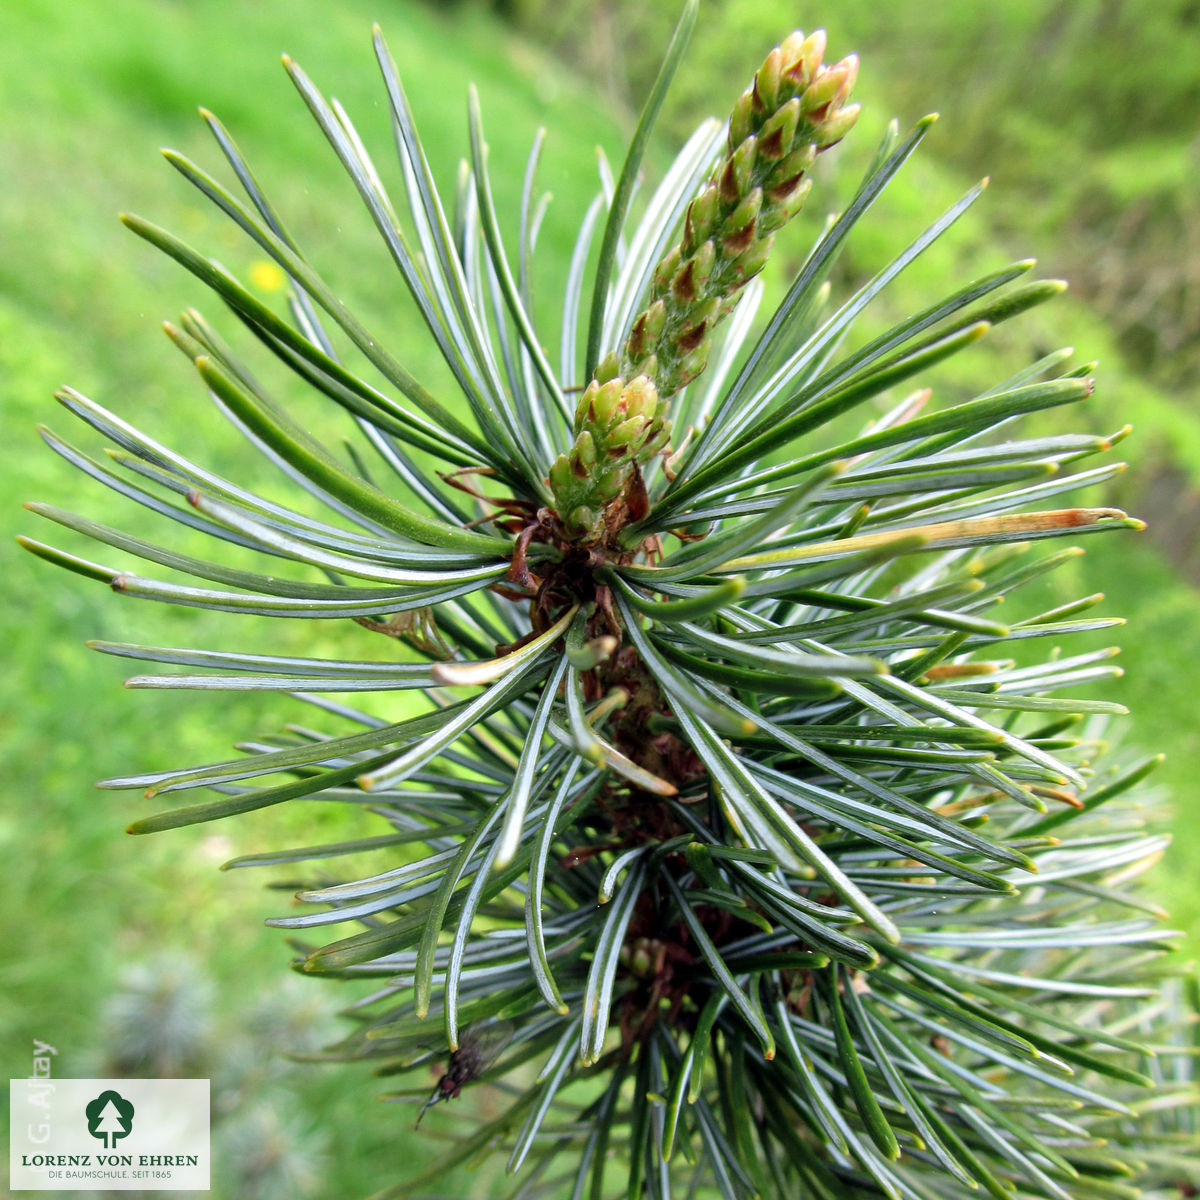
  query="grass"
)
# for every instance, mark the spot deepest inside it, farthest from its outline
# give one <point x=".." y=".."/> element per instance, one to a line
<point x="87" y="94"/>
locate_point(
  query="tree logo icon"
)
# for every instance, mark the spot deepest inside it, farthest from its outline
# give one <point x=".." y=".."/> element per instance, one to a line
<point x="109" y="1117"/>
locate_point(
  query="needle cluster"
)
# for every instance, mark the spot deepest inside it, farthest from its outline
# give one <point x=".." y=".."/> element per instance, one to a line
<point x="716" y="793"/>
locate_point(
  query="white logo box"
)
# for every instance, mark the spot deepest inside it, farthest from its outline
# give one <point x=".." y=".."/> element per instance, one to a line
<point x="83" y="1135"/>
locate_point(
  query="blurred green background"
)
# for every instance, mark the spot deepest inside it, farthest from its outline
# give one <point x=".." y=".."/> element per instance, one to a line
<point x="1084" y="115"/>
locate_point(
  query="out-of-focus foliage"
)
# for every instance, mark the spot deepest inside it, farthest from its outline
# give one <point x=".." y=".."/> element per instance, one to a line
<point x="161" y="1023"/>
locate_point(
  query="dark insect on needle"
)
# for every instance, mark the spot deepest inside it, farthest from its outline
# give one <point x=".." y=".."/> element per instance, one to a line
<point x="478" y="1047"/>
